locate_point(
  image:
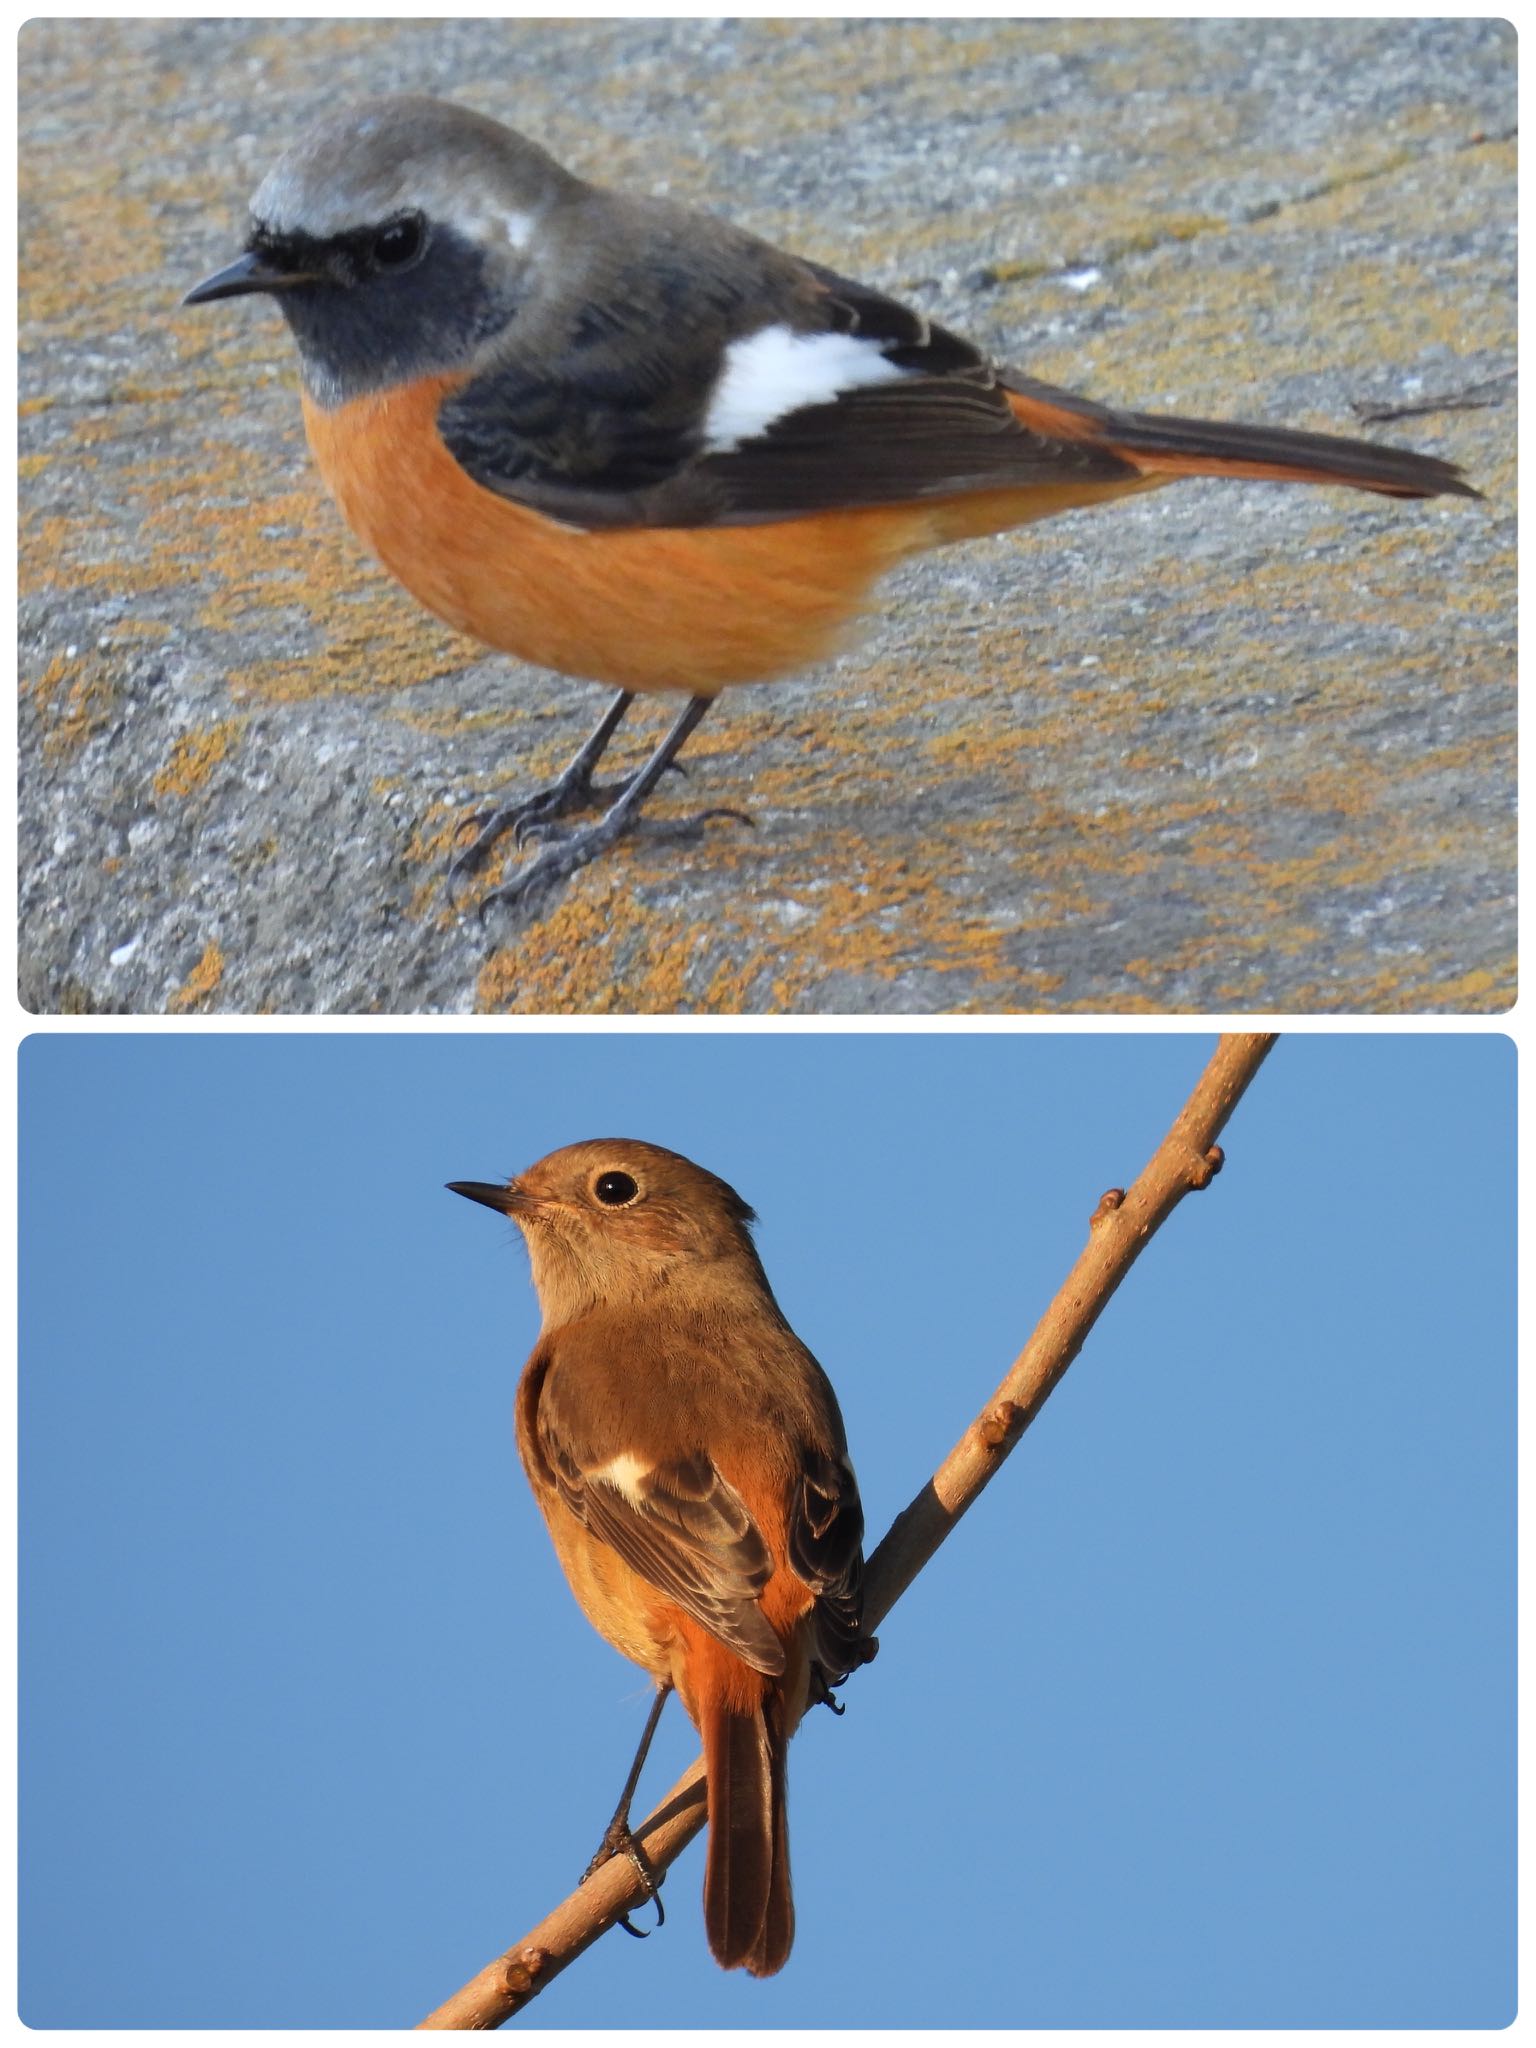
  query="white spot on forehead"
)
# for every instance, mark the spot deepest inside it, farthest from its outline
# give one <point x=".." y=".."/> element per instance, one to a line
<point x="776" y="371"/>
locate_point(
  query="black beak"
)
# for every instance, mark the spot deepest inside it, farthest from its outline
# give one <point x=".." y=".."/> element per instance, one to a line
<point x="491" y="1194"/>
<point x="248" y="273"/>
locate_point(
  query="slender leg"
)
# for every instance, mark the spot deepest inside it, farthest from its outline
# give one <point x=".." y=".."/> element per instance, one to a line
<point x="617" y="1839"/>
<point x="570" y="791"/>
<point x="570" y="850"/>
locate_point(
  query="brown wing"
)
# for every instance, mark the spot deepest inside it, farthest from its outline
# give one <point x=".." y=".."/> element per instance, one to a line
<point x="826" y="1550"/>
<point x="685" y="1530"/>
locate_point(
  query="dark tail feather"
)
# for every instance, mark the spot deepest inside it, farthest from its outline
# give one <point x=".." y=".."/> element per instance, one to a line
<point x="1169" y="447"/>
<point x="1174" y="447"/>
<point x="778" y="1935"/>
<point x="739" y="1867"/>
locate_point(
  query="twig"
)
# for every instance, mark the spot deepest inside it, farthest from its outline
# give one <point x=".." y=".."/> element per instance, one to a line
<point x="1473" y="399"/>
<point x="1120" y="1228"/>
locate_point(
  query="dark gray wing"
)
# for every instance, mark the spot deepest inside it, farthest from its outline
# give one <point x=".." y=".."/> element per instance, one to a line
<point x="602" y="424"/>
<point x="894" y="444"/>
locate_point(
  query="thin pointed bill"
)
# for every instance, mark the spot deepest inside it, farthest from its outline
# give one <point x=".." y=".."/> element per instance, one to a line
<point x="248" y="273"/>
<point x="490" y="1194"/>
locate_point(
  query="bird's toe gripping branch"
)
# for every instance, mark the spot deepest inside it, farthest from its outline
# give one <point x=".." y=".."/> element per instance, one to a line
<point x="619" y="1840"/>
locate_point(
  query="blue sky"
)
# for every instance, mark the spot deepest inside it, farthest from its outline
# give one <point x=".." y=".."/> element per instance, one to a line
<point x="1203" y="1717"/>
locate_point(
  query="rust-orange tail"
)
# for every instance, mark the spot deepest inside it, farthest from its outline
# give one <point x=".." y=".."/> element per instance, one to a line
<point x="749" y="1911"/>
<point x="1157" y="447"/>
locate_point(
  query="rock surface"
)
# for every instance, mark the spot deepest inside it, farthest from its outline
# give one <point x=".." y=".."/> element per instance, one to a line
<point x="1227" y="747"/>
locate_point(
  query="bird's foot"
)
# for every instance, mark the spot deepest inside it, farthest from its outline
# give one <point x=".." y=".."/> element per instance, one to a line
<point x="572" y="791"/>
<point x="529" y="816"/>
<point x="823" y="1687"/>
<point x="566" y="849"/>
<point x="822" y="1693"/>
<point x="619" y="1840"/>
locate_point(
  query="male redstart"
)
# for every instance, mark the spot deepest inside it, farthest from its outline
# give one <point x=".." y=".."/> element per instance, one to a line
<point x="688" y="1455"/>
<point x="631" y="442"/>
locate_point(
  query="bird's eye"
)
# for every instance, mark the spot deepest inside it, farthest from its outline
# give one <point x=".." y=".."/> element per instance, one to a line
<point x="399" y="243"/>
<point x="616" y="1190"/>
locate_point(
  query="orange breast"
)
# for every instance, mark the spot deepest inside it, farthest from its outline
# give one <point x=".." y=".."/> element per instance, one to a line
<point x="654" y="1632"/>
<point x="645" y="608"/>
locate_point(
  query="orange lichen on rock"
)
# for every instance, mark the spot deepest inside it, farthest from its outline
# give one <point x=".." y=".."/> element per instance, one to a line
<point x="74" y="700"/>
<point x="201" y="982"/>
<point x="194" y="757"/>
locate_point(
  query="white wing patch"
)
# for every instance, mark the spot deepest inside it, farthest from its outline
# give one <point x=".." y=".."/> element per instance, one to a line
<point x="626" y="1474"/>
<point x="776" y="371"/>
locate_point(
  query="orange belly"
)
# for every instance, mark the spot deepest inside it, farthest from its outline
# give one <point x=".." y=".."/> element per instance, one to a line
<point x="643" y="608"/>
<point x="654" y="1632"/>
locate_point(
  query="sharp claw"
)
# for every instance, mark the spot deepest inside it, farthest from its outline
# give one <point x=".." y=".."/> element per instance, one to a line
<point x="519" y="819"/>
<point x="454" y="879"/>
<point x="540" y="829"/>
<point x="645" y="1933"/>
<point x="821" y="1687"/>
<point x="505" y="898"/>
<point x="652" y="1884"/>
<point x="611" y="1845"/>
<point x="568" y="849"/>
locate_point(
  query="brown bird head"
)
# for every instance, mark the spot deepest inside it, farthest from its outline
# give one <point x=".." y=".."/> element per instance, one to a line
<point x="611" y="1219"/>
<point x="397" y="237"/>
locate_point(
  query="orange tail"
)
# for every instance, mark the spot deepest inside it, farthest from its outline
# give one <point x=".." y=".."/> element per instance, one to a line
<point x="772" y="1951"/>
<point x="1155" y="446"/>
<point x="749" y="1912"/>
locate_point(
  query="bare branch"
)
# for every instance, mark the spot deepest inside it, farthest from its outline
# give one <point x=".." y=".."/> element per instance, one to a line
<point x="1119" y="1230"/>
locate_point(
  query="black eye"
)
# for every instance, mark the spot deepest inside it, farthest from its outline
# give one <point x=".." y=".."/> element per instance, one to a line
<point x="615" y="1190"/>
<point x="400" y="243"/>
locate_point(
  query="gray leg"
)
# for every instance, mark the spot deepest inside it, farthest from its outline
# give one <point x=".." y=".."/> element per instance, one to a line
<point x="572" y="790"/>
<point x="617" y="1838"/>
<point x="570" y="850"/>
